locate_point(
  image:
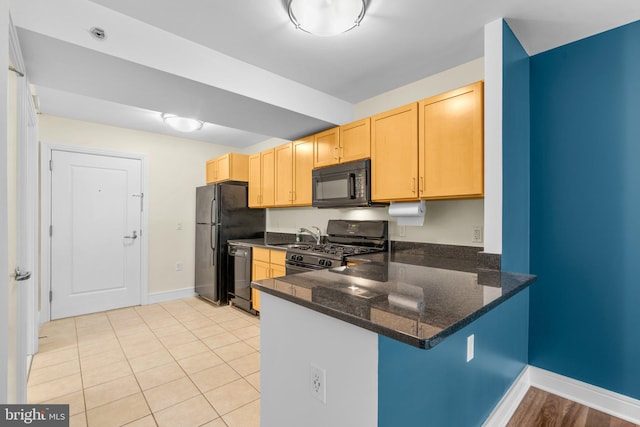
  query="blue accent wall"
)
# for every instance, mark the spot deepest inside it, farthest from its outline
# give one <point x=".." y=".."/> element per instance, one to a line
<point x="437" y="387"/>
<point x="585" y="210"/>
<point x="515" y="154"/>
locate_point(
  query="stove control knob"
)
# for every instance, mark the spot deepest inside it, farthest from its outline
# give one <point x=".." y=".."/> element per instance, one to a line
<point x="327" y="263"/>
<point x="298" y="258"/>
<point x="321" y="261"/>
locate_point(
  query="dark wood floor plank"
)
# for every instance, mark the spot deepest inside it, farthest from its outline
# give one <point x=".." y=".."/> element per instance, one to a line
<point x="550" y="415"/>
<point x="575" y="415"/>
<point x="541" y="409"/>
<point x="529" y="407"/>
<point x="596" y="418"/>
<point x="619" y="422"/>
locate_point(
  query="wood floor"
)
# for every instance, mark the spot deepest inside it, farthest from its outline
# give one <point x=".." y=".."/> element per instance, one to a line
<point x="539" y="408"/>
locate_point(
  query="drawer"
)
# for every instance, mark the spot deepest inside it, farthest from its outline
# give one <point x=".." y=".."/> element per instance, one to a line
<point x="278" y="257"/>
<point x="261" y="254"/>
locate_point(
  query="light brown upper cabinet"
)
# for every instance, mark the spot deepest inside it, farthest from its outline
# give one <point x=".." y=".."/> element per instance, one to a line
<point x="394" y="154"/>
<point x="326" y="148"/>
<point x="451" y="148"/>
<point x="343" y="144"/>
<point x="294" y="162"/>
<point x="302" y="167"/>
<point x="262" y="179"/>
<point x="231" y="166"/>
<point x="283" y="175"/>
<point x="355" y="140"/>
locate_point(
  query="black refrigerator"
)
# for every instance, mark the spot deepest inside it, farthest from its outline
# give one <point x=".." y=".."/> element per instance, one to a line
<point x="222" y="214"/>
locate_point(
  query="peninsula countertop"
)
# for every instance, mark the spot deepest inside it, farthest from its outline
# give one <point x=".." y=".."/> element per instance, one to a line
<point x="416" y="304"/>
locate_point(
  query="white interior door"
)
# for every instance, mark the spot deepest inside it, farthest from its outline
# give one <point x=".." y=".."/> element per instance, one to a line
<point x="96" y="204"/>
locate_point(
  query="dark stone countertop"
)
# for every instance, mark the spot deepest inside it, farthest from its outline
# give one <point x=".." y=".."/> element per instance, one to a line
<point x="413" y="299"/>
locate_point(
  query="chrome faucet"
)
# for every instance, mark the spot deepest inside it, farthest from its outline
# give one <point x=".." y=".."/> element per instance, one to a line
<point x="317" y="235"/>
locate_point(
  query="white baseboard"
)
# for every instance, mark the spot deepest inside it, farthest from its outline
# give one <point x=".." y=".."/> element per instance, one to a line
<point x="604" y="400"/>
<point x="607" y="401"/>
<point x="157" y="297"/>
<point x="507" y="406"/>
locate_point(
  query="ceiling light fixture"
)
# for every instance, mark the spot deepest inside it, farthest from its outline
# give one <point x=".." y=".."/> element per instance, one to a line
<point x="326" y="17"/>
<point x="182" y="124"/>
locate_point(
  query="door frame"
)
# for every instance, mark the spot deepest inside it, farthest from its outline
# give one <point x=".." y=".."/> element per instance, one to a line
<point x="45" y="219"/>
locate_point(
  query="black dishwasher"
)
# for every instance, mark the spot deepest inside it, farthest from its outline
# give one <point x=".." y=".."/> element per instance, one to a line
<point x="240" y="277"/>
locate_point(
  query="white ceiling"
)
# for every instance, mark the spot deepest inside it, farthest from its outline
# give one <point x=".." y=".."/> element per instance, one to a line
<point x="241" y="66"/>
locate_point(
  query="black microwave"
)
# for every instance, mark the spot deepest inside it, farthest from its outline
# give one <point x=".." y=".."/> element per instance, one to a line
<point x="343" y="185"/>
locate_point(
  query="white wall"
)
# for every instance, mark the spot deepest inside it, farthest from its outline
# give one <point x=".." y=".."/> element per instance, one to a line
<point x="446" y="222"/>
<point x="176" y="168"/>
<point x="493" y="136"/>
<point x="293" y="337"/>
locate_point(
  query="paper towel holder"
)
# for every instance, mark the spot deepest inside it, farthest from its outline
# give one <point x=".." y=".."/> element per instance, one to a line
<point x="408" y="213"/>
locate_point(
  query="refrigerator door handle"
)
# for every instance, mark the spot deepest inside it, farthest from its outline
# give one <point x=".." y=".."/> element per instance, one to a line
<point x="213" y="216"/>
<point x="212" y="236"/>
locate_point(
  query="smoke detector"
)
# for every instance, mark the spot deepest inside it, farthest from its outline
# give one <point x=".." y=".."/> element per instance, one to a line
<point x="98" y="33"/>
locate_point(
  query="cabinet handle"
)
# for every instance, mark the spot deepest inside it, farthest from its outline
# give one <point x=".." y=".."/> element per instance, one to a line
<point x="341" y="153"/>
<point x="421" y="188"/>
<point x="413" y="184"/>
<point x="293" y="196"/>
<point x="335" y="151"/>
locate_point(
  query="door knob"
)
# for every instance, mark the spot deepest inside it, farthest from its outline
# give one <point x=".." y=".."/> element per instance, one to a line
<point x="135" y="235"/>
<point x="22" y="275"/>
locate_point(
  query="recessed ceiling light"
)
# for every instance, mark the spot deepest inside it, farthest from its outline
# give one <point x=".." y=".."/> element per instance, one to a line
<point x="182" y="124"/>
<point x="326" y="17"/>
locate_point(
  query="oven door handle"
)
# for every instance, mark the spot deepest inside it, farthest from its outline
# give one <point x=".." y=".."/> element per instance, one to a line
<point x="352" y="185"/>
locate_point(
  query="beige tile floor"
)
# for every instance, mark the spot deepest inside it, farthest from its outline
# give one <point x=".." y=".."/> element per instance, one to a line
<point x="181" y="363"/>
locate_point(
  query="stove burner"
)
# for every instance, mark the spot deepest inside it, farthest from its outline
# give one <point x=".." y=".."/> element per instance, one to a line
<point x="342" y="242"/>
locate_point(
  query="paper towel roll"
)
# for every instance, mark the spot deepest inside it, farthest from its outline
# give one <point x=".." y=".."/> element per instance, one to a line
<point x="408" y="213"/>
<point x="409" y="302"/>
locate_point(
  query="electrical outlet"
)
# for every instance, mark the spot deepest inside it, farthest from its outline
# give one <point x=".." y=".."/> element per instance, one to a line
<point x="318" y="383"/>
<point x="402" y="230"/>
<point x="477" y="235"/>
<point x="178" y="266"/>
<point x="179" y="226"/>
<point x="470" y="347"/>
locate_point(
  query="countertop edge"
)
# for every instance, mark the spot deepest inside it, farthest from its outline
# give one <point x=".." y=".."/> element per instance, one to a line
<point x="422" y="343"/>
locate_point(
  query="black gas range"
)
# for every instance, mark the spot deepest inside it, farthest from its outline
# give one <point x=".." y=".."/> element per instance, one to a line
<point x="344" y="239"/>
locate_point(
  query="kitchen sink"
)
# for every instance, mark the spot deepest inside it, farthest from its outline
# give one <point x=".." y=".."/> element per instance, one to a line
<point x="293" y="245"/>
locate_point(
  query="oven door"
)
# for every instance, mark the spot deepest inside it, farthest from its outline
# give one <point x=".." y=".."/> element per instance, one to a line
<point x="344" y="185"/>
<point x="298" y="268"/>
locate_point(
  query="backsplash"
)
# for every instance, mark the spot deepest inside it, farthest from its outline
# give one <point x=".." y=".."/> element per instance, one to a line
<point x="448" y="222"/>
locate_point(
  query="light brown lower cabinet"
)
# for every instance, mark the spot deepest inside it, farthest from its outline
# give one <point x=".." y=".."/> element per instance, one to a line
<point x="265" y="264"/>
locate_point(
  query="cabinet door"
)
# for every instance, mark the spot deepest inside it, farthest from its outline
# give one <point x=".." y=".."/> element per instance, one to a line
<point x="211" y="171"/>
<point x="302" y="167"/>
<point x="267" y="165"/>
<point x="278" y="270"/>
<point x="326" y="148"/>
<point x="222" y="168"/>
<point x="260" y="270"/>
<point x="451" y="144"/>
<point x="283" y="175"/>
<point x="355" y="140"/>
<point x="255" y="181"/>
<point x="394" y="154"/>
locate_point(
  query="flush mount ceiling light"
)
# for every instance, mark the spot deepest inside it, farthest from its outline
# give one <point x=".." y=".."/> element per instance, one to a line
<point x="182" y="124"/>
<point x="326" y="17"/>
